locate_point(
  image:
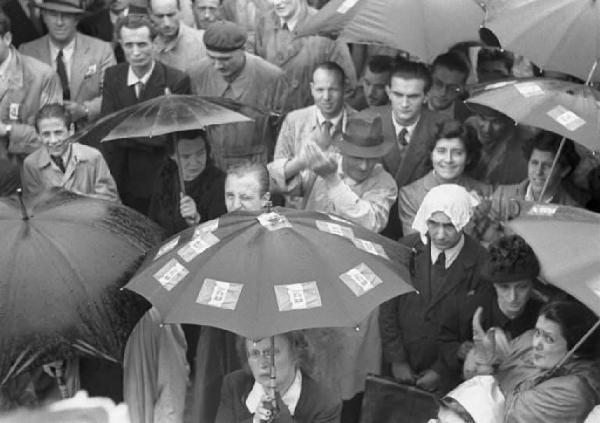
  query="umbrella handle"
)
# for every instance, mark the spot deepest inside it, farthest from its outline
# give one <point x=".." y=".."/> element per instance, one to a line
<point x="552" y="168"/>
<point x="178" y="161"/>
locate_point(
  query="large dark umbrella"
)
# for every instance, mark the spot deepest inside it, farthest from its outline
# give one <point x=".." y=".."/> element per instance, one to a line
<point x="63" y="259"/>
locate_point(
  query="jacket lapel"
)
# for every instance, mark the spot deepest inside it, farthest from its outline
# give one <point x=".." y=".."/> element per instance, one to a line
<point x="78" y="64"/>
<point x="415" y="153"/>
<point x="156" y="83"/>
<point x="392" y="159"/>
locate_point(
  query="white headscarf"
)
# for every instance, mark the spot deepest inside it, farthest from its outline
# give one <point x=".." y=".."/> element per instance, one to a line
<point x="452" y="200"/>
<point x="482" y="398"/>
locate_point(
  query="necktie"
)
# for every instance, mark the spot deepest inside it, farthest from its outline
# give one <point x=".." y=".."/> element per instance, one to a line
<point x="139" y="88"/>
<point x="326" y="133"/>
<point x="58" y="160"/>
<point x="440" y="263"/>
<point x="402" y="137"/>
<point x="61" y="70"/>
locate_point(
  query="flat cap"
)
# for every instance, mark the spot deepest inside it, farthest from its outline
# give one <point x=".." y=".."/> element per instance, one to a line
<point x="224" y="36"/>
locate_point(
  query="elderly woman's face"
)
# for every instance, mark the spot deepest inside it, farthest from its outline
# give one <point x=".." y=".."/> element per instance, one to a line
<point x="549" y="345"/>
<point x="259" y="359"/>
<point x="449" y="158"/>
<point x="442" y="232"/>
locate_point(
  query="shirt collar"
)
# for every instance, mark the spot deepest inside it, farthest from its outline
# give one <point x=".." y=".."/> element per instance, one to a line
<point x="290" y="398"/>
<point x="410" y="129"/>
<point x="132" y="78"/>
<point x="451" y="253"/>
<point x="291" y="23"/>
<point x="67" y="50"/>
<point x="4" y="66"/>
<point x="334" y="121"/>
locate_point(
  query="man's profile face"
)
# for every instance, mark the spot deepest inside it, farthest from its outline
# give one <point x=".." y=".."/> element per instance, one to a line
<point x="61" y="26"/>
<point x="513" y="296"/>
<point x="228" y="63"/>
<point x="166" y="16"/>
<point x="54" y="135"/>
<point x="286" y="9"/>
<point x="243" y="193"/>
<point x="137" y="46"/>
<point x="374" y="87"/>
<point x="448" y="85"/>
<point x="491" y="128"/>
<point x="539" y="170"/>
<point x="328" y="92"/>
<point x="407" y="97"/>
<point x="207" y="12"/>
<point x="358" y="168"/>
<point x="442" y="232"/>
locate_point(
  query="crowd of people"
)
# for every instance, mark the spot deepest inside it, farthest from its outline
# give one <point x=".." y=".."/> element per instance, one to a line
<point x="367" y="133"/>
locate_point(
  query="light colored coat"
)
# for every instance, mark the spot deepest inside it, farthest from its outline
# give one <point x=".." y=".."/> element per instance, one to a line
<point x="185" y="51"/>
<point x="90" y="59"/>
<point x="30" y="85"/>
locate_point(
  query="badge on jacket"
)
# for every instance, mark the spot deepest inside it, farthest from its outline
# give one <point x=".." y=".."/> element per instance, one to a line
<point x="90" y="71"/>
<point x="13" y="111"/>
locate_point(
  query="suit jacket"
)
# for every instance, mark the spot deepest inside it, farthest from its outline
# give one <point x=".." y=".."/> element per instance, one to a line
<point x="135" y="163"/>
<point x="410" y="323"/>
<point x="30" y="85"/>
<point x="91" y="58"/>
<point x="411" y="164"/>
<point x="315" y="405"/>
<point x="22" y="28"/>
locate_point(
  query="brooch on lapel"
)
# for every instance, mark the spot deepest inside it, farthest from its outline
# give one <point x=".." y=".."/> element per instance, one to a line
<point x="13" y="111"/>
<point x="90" y="71"/>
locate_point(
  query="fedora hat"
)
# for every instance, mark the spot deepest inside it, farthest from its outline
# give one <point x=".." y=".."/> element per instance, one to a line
<point x="63" y="6"/>
<point x="363" y="137"/>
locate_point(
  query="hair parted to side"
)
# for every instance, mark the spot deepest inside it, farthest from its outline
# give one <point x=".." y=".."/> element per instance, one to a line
<point x="408" y="69"/>
<point x="135" y="21"/>
<point x="466" y="134"/>
<point x="53" y="110"/>
<point x="332" y="67"/>
<point x="250" y="168"/>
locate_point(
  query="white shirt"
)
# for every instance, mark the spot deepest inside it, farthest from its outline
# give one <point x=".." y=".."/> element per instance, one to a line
<point x="68" y="51"/>
<point x="292" y="22"/>
<point x="409" y="129"/>
<point x="334" y="121"/>
<point x="530" y="197"/>
<point x="132" y="78"/>
<point x="451" y="253"/>
<point x="290" y="397"/>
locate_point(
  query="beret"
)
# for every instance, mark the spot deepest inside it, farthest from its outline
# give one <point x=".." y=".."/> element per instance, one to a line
<point x="224" y="36"/>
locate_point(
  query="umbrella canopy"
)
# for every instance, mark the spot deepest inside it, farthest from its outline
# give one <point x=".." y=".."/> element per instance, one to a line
<point x="167" y="114"/>
<point x="565" y="108"/>
<point x="566" y="241"/>
<point x="558" y="35"/>
<point x="63" y="260"/>
<point x="425" y="28"/>
<point x="261" y="274"/>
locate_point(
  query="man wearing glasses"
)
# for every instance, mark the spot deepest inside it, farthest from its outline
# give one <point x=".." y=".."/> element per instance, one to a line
<point x="449" y="72"/>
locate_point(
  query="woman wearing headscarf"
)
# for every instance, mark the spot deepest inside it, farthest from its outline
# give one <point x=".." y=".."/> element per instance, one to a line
<point x="536" y="389"/>
<point x="452" y="153"/>
<point x="446" y="264"/>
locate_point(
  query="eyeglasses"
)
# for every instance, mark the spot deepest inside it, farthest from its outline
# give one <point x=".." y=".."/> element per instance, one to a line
<point x="257" y="354"/>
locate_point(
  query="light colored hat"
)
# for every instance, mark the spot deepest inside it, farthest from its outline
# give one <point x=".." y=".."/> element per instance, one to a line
<point x="452" y="200"/>
<point x="63" y="6"/>
<point x="482" y="398"/>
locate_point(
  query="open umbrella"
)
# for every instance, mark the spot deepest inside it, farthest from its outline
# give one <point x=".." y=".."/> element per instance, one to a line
<point x="424" y="28"/>
<point x="558" y="35"/>
<point x="63" y="260"/>
<point x="261" y="274"/>
<point x="565" y="108"/>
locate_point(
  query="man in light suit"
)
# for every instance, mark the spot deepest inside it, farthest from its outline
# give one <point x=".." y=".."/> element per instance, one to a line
<point x="80" y="60"/>
<point x="26" y="84"/>
<point x="410" y="126"/>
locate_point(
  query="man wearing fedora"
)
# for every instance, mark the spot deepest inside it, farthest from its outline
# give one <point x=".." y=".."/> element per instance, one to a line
<point x="79" y="60"/>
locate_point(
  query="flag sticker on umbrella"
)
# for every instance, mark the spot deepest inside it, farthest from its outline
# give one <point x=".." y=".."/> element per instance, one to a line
<point x="360" y="279"/>
<point x="334" y="228"/>
<point x="297" y="296"/>
<point x="274" y="221"/>
<point x="370" y="247"/>
<point x="542" y="210"/>
<point x="197" y="246"/>
<point x="167" y="247"/>
<point x="171" y="274"/>
<point x="566" y="118"/>
<point x="529" y="89"/>
<point x="220" y="294"/>
<point x="206" y="227"/>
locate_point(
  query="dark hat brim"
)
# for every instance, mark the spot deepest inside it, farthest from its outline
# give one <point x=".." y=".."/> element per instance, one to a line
<point x="371" y="152"/>
<point x="60" y="7"/>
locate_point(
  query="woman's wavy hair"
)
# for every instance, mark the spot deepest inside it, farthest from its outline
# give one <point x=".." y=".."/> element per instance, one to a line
<point x="300" y="347"/>
<point x="455" y="129"/>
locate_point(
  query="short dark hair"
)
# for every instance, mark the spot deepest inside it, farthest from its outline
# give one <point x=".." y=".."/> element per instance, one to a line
<point x="575" y="320"/>
<point x="187" y="135"/>
<point x="407" y="69"/>
<point x="468" y="136"/>
<point x="135" y="21"/>
<point x="550" y="142"/>
<point x="380" y="63"/>
<point x="301" y="349"/>
<point x="246" y="167"/>
<point x="53" y="110"/>
<point x="510" y="258"/>
<point x="332" y="67"/>
<point x="5" y="25"/>
<point x="457" y="408"/>
<point x="454" y="61"/>
<point x="491" y="54"/>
